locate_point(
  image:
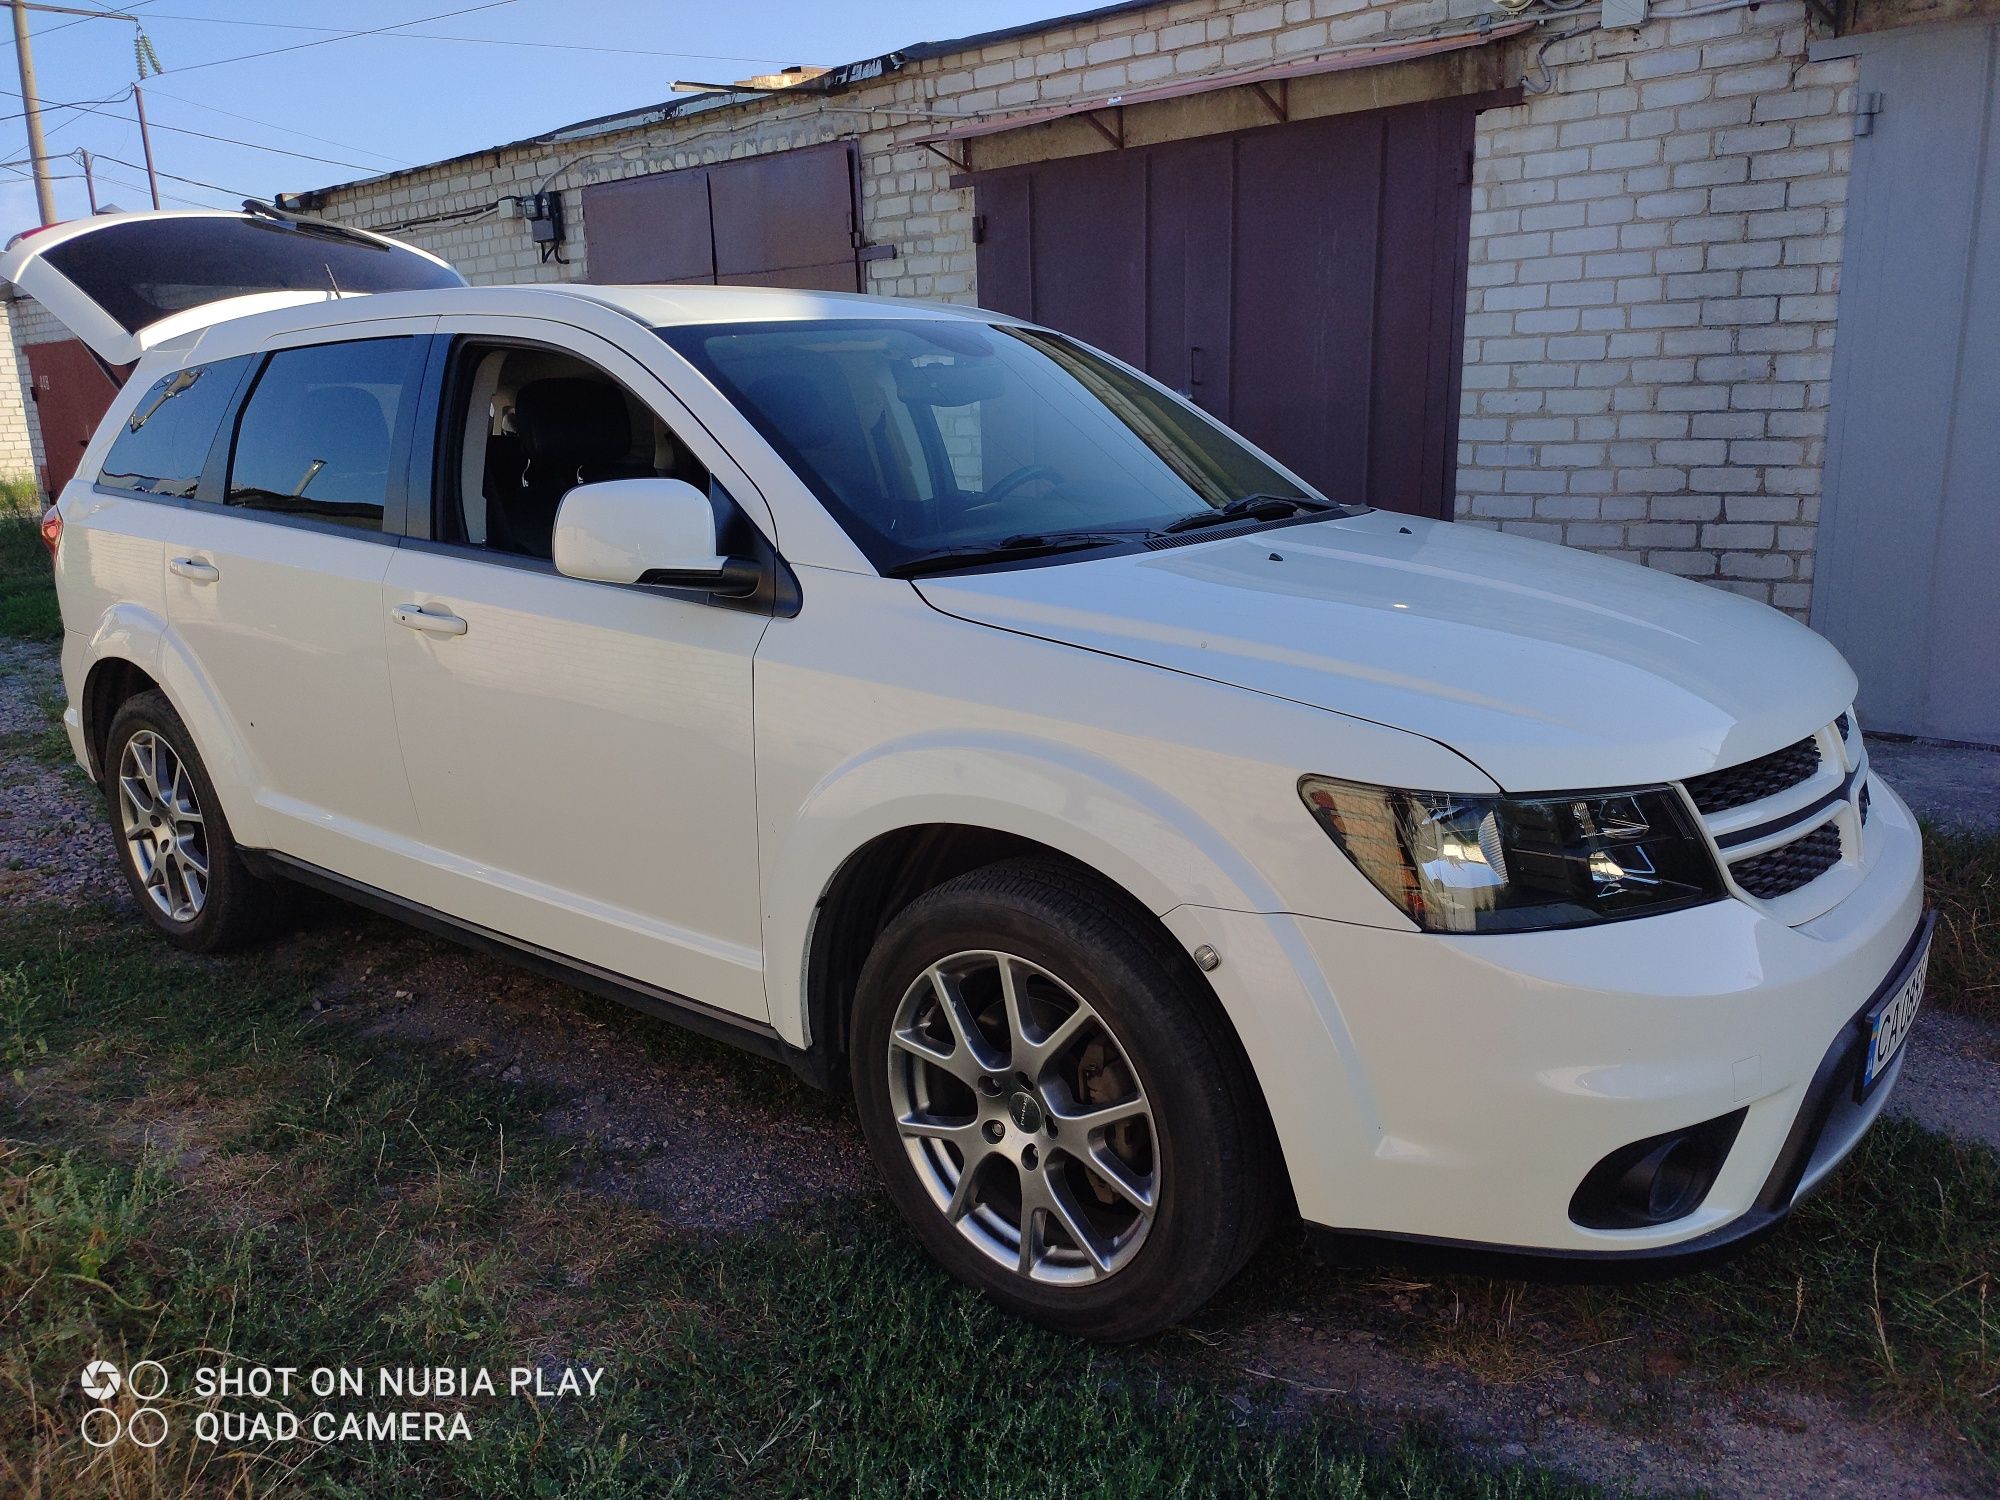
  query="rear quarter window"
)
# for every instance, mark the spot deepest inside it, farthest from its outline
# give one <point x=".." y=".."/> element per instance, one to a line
<point x="162" y="445"/>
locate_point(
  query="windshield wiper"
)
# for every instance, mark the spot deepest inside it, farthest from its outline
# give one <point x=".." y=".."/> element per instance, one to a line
<point x="1034" y="544"/>
<point x="1248" y="507"/>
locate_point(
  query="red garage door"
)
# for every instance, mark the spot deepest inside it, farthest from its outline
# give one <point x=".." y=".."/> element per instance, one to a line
<point x="1303" y="282"/>
<point x="71" y="392"/>
<point x="787" y="219"/>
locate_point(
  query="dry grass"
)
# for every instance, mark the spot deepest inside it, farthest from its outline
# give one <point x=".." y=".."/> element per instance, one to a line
<point x="1962" y="880"/>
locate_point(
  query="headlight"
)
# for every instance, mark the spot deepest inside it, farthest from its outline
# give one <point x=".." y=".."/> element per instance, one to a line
<point x="1505" y="864"/>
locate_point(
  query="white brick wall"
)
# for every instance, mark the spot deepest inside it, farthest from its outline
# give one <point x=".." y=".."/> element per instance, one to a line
<point x="1649" y="324"/>
<point x="1655" y="246"/>
<point x="19" y="445"/>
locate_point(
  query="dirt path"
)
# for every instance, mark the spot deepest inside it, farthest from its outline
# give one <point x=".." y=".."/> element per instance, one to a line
<point x="709" y="1140"/>
<point x="1671" y="1435"/>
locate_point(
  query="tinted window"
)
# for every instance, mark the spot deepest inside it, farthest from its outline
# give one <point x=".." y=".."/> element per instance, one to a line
<point x="161" y="447"/>
<point x="314" y="438"/>
<point x="932" y="438"/>
<point x="141" y="271"/>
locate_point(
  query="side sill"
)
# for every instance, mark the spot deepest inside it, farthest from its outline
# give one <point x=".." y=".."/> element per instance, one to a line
<point x="751" y="1036"/>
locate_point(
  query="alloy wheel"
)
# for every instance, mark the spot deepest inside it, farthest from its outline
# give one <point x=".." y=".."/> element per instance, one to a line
<point x="164" y="833"/>
<point x="1024" y="1117"/>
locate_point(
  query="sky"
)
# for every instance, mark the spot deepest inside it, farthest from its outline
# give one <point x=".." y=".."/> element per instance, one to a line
<point x="490" y="73"/>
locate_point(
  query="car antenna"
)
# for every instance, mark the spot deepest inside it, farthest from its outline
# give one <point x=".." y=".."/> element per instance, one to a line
<point x="331" y="280"/>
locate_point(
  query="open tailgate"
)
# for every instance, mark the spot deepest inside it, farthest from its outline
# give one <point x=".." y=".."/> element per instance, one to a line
<point x="123" y="283"/>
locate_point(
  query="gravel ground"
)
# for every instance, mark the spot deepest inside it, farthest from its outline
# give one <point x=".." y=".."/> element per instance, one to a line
<point x="1955" y="786"/>
<point x="712" y="1140"/>
<point x="53" y="844"/>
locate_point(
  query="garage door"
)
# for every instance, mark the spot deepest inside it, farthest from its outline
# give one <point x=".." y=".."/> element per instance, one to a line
<point x="1910" y="526"/>
<point x="1303" y="282"/>
<point x="71" y="392"/>
<point x="787" y="219"/>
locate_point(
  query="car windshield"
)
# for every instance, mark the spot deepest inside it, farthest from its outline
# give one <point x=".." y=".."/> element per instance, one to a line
<point x="933" y="439"/>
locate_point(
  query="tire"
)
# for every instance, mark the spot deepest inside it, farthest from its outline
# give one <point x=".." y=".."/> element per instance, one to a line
<point x="1068" y="1121"/>
<point x="173" y="842"/>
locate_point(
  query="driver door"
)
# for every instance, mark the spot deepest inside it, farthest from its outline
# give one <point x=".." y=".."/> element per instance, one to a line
<point x="580" y="753"/>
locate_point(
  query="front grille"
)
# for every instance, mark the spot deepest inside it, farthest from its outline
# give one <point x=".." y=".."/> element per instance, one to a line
<point x="1754" y="780"/>
<point x="1783" y="870"/>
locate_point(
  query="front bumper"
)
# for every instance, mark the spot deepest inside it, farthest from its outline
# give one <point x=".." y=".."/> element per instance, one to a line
<point x="1448" y="1094"/>
<point x="1830" y="1123"/>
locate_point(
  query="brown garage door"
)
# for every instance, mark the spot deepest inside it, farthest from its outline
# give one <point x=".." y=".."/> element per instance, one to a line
<point x="1304" y="282"/>
<point x="787" y="219"/>
<point x="71" y="392"/>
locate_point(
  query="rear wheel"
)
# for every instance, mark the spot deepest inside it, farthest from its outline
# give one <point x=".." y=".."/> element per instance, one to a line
<point x="1055" y="1104"/>
<point x="174" y="845"/>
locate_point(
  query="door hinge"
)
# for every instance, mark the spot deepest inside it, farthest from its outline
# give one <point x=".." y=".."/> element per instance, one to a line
<point x="979" y="229"/>
<point x="1866" y="107"/>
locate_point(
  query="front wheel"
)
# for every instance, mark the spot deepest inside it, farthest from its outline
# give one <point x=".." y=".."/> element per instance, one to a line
<point x="1055" y="1103"/>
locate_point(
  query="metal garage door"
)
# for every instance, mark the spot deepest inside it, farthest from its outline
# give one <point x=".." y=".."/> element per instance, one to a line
<point x="71" y="392"/>
<point x="1303" y="282"/>
<point x="787" y="219"/>
<point x="1910" y="529"/>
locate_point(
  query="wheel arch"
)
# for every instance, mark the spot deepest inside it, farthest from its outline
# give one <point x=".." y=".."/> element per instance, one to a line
<point x="134" y="651"/>
<point x="890" y="871"/>
<point x="109" y="684"/>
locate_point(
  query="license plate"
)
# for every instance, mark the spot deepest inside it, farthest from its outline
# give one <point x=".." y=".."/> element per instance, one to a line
<point x="1889" y="1020"/>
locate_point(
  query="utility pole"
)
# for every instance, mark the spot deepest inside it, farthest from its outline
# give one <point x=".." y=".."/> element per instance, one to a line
<point x="31" y="105"/>
<point x="146" y="144"/>
<point x="89" y="182"/>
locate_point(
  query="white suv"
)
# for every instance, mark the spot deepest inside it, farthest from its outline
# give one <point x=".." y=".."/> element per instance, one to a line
<point x="1151" y="843"/>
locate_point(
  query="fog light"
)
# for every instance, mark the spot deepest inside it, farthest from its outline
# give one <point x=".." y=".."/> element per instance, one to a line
<point x="1657" y="1180"/>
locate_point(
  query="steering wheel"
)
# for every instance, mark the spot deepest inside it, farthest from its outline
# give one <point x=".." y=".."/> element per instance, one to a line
<point x="1026" y="474"/>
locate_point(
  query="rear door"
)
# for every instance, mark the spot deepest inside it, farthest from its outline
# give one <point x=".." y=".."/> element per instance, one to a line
<point x="274" y="589"/>
<point x="123" y="283"/>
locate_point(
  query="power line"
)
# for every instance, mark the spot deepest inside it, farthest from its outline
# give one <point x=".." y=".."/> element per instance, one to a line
<point x="65" y="26"/>
<point x="345" y="36"/>
<point x="487" y="41"/>
<point x="226" y="140"/>
<point x="213" y="187"/>
<point x="159" y="93"/>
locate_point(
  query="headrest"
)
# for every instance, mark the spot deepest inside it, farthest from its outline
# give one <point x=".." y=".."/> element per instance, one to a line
<point x="572" y="418"/>
<point x="352" y="417"/>
<point x="798" y="407"/>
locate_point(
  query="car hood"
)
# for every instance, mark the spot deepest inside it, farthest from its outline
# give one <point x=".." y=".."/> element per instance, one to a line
<point x="1547" y="667"/>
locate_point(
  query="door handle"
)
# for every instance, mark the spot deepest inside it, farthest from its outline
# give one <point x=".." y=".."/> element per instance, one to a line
<point x="431" y="622"/>
<point x="194" y="569"/>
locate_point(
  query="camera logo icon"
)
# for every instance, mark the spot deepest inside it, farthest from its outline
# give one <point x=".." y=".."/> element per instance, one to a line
<point x="102" y="1425"/>
<point x="101" y="1380"/>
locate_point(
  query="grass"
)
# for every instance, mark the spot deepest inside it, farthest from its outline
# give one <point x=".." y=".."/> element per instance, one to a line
<point x="200" y="1165"/>
<point x="27" y="585"/>
<point x="199" y="1169"/>
<point x="1962" y="880"/>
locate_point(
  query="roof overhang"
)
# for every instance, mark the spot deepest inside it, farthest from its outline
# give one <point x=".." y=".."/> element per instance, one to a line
<point x="1267" y="81"/>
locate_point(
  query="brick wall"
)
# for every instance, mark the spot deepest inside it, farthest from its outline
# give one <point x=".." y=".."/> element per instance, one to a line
<point x="19" y="442"/>
<point x="1649" y="330"/>
<point x="1655" y="243"/>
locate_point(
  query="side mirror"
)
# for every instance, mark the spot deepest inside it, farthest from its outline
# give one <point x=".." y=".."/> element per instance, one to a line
<point x="646" y="531"/>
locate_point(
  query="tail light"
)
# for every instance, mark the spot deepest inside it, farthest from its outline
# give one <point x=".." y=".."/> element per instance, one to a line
<point x="51" y="529"/>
